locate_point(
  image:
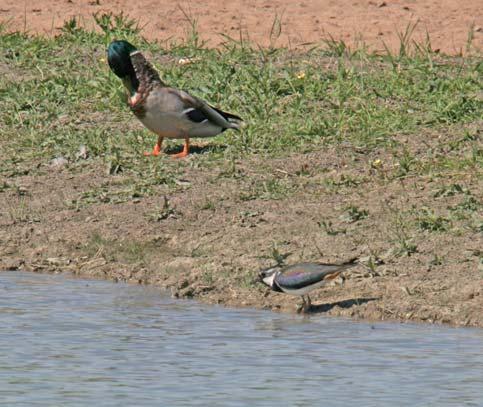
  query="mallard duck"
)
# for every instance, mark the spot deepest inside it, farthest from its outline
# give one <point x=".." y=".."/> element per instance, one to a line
<point x="300" y="279"/>
<point x="166" y="111"/>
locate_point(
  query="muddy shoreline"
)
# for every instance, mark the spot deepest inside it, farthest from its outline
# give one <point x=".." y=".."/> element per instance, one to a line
<point x="212" y="252"/>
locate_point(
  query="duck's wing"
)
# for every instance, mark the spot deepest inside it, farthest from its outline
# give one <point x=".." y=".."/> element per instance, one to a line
<point x="197" y="110"/>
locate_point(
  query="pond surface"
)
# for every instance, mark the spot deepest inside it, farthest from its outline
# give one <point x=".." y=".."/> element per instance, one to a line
<point x="68" y="341"/>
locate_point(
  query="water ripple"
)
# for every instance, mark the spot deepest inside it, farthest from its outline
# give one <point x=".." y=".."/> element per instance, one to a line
<point x="68" y="341"/>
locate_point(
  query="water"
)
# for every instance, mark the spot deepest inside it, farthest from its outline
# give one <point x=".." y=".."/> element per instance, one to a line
<point x="67" y="341"/>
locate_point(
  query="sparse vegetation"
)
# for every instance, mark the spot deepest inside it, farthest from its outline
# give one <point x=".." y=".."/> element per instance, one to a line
<point x="328" y="228"/>
<point x="354" y="214"/>
<point x="343" y="152"/>
<point x="427" y="220"/>
<point x="123" y="251"/>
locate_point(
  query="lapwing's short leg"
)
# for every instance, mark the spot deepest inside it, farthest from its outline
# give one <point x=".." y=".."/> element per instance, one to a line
<point x="308" y="304"/>
<point x="157" y="148"/>
<point x="301" y="307"/>
<point x="186" y="149"/>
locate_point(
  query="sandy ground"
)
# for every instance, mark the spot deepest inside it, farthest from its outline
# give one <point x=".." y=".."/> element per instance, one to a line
<point x="376" y="22"/>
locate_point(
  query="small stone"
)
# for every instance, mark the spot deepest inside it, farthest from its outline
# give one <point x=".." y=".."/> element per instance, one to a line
<point x="188" y="292"/>
<point x="182" y="182"/>
<point x="58" y="261"/>
<point x="59" y="162"/>
<point x="11" y="264"/>
<point x="82" y="153"/>
<point x="188" y="61"/>
<point x="387" y="254"/>
<point x="22" y="191"/>
<point x="406" y="290"/>
<point x="183" y="284"/>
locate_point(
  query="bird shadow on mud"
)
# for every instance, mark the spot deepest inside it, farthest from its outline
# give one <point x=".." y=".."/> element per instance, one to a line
<point x="196" y="149"/>
<point x="319" y="308"/>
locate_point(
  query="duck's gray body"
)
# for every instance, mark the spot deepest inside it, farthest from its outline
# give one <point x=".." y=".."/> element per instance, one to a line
<point x="174" y="113"/>
<point x="173" y="120"/>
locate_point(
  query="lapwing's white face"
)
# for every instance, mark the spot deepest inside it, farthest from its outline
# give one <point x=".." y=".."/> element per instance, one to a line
<point x="267" y="276"/>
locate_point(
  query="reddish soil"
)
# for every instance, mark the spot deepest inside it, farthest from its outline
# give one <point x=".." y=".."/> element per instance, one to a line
<point x="376" y="22"/>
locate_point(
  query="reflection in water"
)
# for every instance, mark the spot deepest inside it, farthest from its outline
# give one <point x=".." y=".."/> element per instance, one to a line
<point x="74" y="342"/>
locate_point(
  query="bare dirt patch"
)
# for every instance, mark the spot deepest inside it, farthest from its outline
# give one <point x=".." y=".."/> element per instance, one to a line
<point x="375" y="22"/>
<point x="209" y="239"/>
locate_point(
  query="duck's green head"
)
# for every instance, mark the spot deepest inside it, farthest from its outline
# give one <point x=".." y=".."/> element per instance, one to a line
<point x="119" y="59"/>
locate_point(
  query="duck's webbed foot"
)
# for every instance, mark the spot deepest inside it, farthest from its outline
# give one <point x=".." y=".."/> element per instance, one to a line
<point x="186" y="150"/>
<point x="156" y="149"/>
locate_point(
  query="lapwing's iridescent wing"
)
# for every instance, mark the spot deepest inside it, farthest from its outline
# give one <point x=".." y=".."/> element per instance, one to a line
<point x="305" y="274"/>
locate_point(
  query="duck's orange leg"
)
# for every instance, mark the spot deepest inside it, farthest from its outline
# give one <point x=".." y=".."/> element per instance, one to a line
<point x="186" y="149"/>
<point x="156" y="149"/>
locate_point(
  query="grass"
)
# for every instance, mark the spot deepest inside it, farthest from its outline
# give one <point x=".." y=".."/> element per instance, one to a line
<point x="354" y="214"/>
<point x="67" y="96"/>
<point x="410" y="115"/>
<point x="429" y="221"/>
<point x="122" y="251"/>
<point x="165" y="212"/>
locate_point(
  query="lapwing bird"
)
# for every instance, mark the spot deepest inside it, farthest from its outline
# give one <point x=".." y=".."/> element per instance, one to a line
<point x="300" y="279"/>
<point x="166" y="111"/>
